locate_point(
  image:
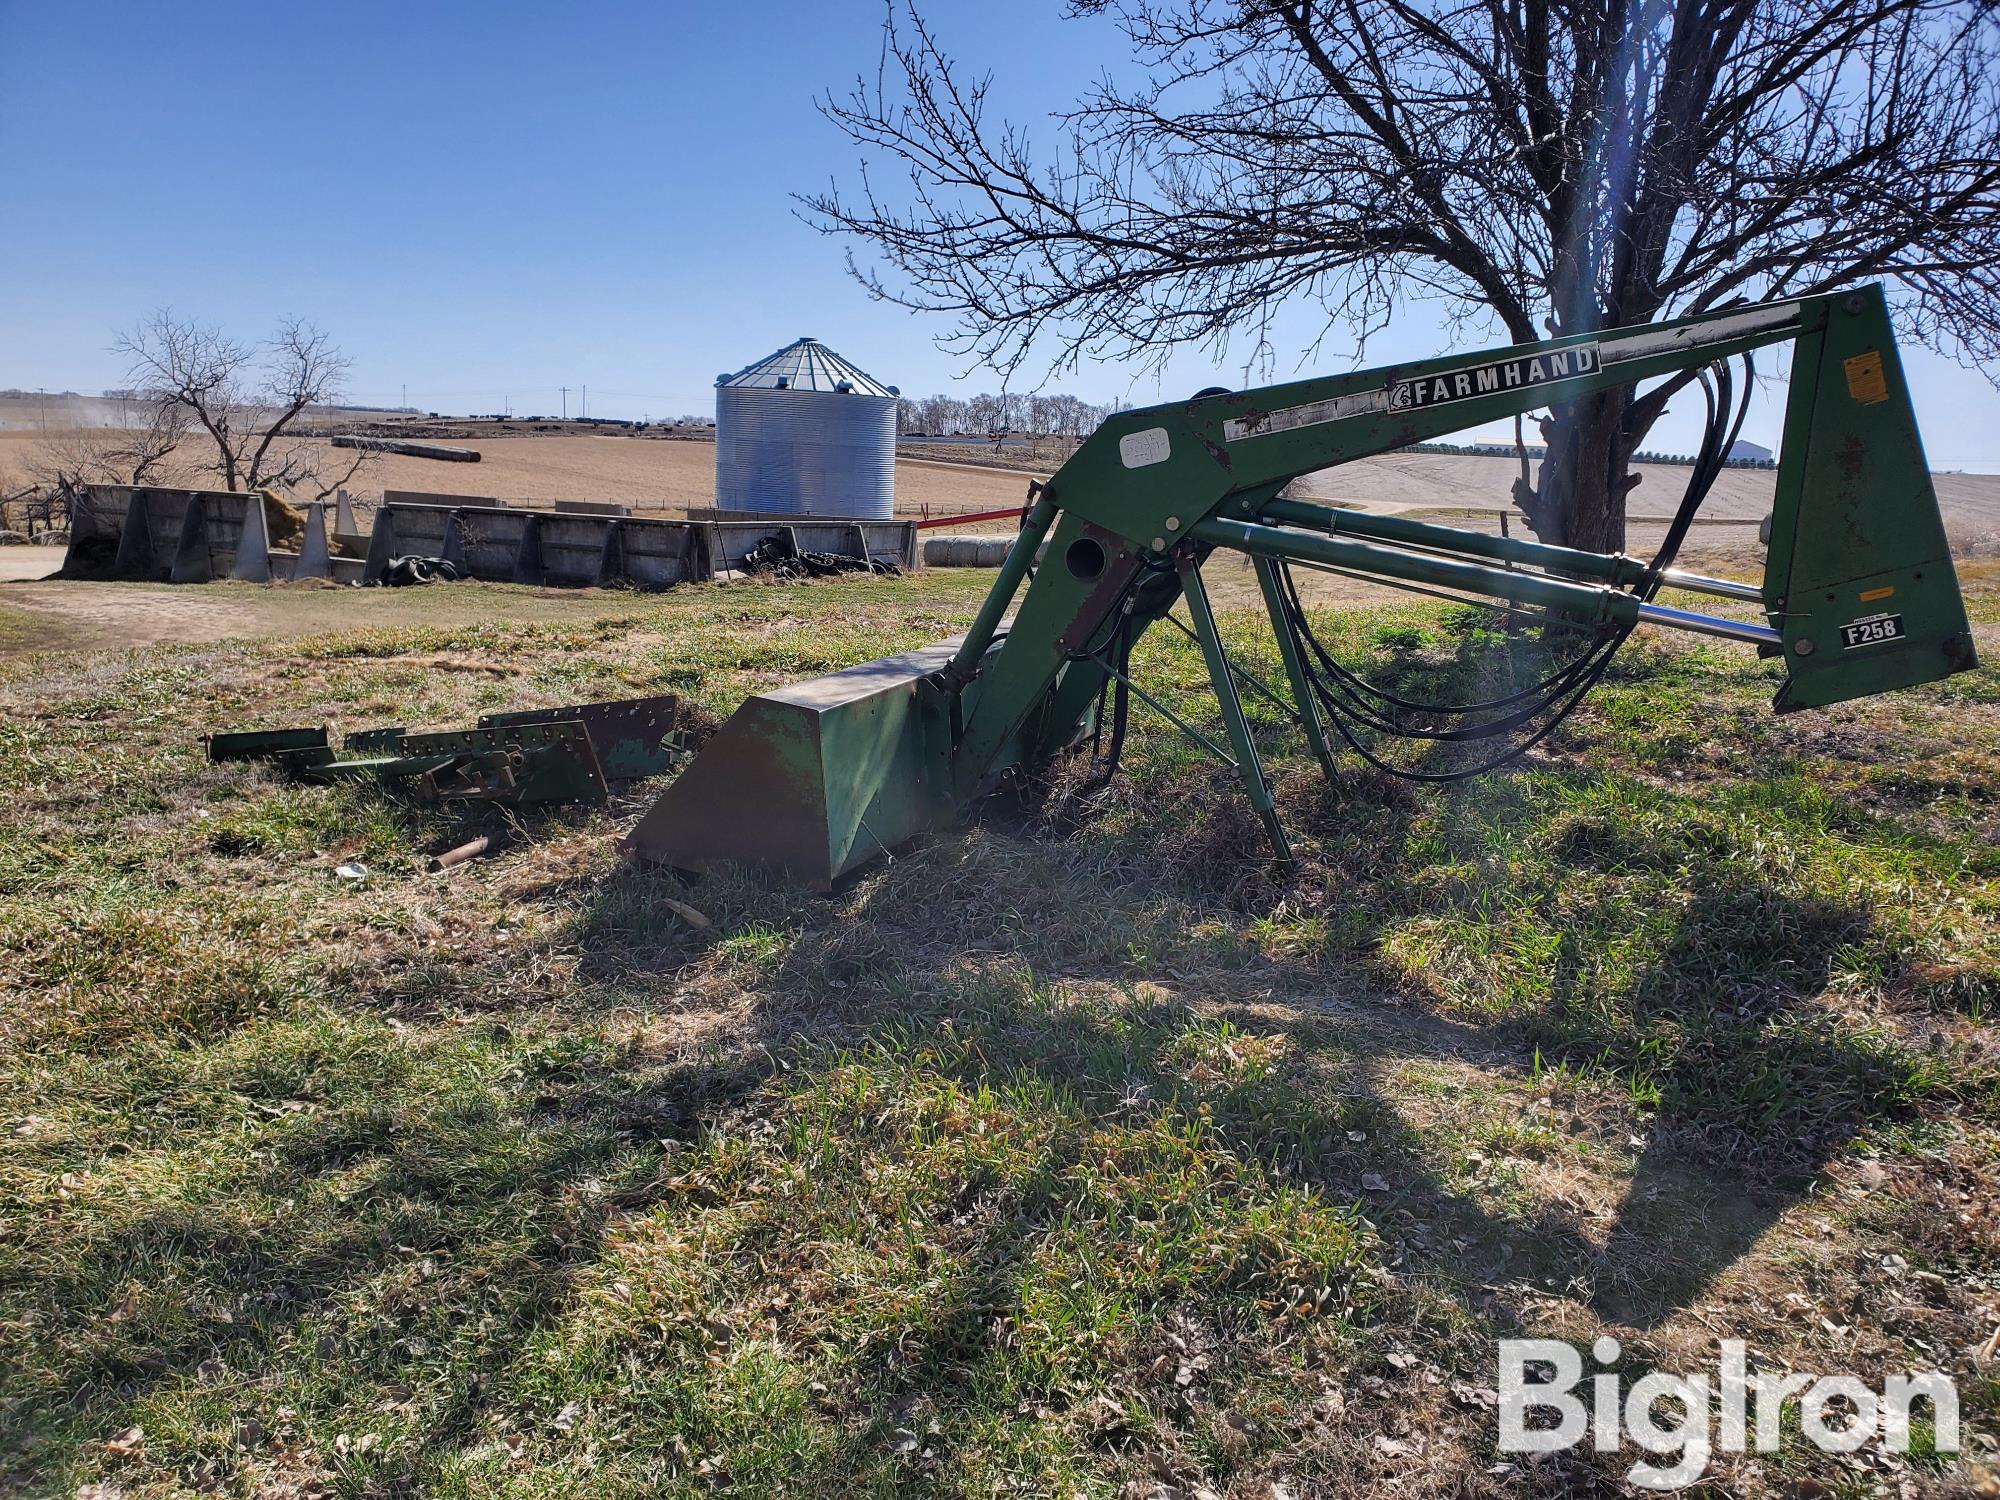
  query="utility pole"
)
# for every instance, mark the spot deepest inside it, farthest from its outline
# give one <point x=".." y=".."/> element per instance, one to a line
<point x="565" y="396"/>
<point x="586" y="403"/>
<point x="44" y="394"/>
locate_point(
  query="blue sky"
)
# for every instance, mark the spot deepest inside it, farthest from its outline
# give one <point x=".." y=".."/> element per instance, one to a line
<point x="484" y="203"/>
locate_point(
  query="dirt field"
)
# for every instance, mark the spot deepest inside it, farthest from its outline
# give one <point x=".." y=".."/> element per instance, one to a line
<point x="654" y="475"/>
<point x="20" y="564"/>
<point x="649" y="475"/>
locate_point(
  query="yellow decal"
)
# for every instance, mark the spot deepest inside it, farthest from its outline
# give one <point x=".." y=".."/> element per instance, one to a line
<point x="1865" y="381"/>
<point x="1869" y="596"/>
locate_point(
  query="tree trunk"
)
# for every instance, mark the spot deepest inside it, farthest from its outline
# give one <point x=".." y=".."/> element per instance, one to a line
<point x="1579" y="500"/>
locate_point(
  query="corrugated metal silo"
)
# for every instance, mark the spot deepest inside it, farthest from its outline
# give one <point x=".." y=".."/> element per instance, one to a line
<point x="803" y="432"/>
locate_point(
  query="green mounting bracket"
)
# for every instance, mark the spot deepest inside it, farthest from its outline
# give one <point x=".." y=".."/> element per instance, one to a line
<point x="549" y="755"/>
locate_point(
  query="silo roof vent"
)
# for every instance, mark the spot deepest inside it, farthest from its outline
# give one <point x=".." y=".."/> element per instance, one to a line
<point x="807" y="365"/>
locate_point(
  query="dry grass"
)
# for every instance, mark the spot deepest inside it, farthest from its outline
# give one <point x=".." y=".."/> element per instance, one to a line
<point x="1069" y="1154"/>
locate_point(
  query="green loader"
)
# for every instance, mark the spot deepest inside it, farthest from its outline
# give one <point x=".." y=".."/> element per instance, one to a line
<point x="1858" y="595"/>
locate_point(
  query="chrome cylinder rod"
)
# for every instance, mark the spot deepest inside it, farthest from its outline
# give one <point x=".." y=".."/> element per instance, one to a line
<point x="1724" y="588"/>
<point x="1699" y="624"/>
<point x="1586" y="603"/>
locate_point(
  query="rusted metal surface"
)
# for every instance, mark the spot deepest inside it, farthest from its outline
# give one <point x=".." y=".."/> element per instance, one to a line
<point x="567" y="754"/>
<point x="634" y="737"/>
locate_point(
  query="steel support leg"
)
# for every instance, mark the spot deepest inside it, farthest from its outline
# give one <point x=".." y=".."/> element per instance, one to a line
<point x="1224" y="683"/>
<point x="1295" y="667"/>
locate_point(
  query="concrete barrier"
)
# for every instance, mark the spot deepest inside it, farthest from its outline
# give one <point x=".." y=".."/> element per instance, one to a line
<point x="891" y="542"/>
<point x="192" y="536"/>
<point x="163" y="535"/>
<point x="581" y="549"/>
<point x="538" y="547"/>
<point x="340" y="569"/>
<point x="440" y="497"/>
<point x="315" y="560"/>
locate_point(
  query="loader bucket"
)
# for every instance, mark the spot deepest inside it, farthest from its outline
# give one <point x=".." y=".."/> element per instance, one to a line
<point x="812" y="780"/>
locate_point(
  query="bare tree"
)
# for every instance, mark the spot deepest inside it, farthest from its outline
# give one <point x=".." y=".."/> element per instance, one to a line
<point x="13" y="495"/>
<point x="1039" y="416"/>
<point x="1553" y="165"/>
<point x="247" y="399"/>
<point x="141" y="449"/>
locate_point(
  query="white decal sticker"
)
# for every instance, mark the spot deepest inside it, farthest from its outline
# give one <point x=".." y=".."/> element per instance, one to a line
<point x="1871" y="630"/>
<point x="1520" y="374"/>
<point x="1140" y="450"/>
<point x="1257" y="424"/>
<point x="1650" y="341"/>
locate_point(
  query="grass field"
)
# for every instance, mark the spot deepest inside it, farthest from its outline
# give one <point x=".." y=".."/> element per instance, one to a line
<point x="1070" y="1154"/>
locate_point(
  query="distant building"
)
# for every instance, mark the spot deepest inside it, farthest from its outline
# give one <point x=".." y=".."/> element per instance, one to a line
<point x="1753" y="453"/>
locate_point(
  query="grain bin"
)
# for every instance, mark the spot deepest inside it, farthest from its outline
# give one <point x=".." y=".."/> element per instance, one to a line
<point x="803" y="432"/>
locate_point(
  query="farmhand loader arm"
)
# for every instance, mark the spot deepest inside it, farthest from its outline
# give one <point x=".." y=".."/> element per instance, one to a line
<point x="1858" y="594"/>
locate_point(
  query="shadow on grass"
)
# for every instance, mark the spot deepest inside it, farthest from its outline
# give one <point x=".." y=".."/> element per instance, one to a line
<point x="1096" y="985"/>
<point x="385" y="1255"/>
<point x="1713" y="1031"/>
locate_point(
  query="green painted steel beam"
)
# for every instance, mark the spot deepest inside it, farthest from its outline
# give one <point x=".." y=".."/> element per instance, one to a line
<point x="1859" y="575"/>
<point x="1144" y="479"/>
<point x="267" y="744"/>
<point x="1295" y="666"/>
<point x="1583" y="602"/>
<point x="1248" y="765"/>
<point x="1402" y="532"/>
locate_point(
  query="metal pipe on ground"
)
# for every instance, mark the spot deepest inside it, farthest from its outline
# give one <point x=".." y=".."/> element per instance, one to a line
<point x="408" y="450"/>
<point x="970" y="551"/>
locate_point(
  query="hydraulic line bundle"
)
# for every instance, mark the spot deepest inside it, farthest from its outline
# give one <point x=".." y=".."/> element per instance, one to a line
<point x="1858" y="596"/>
